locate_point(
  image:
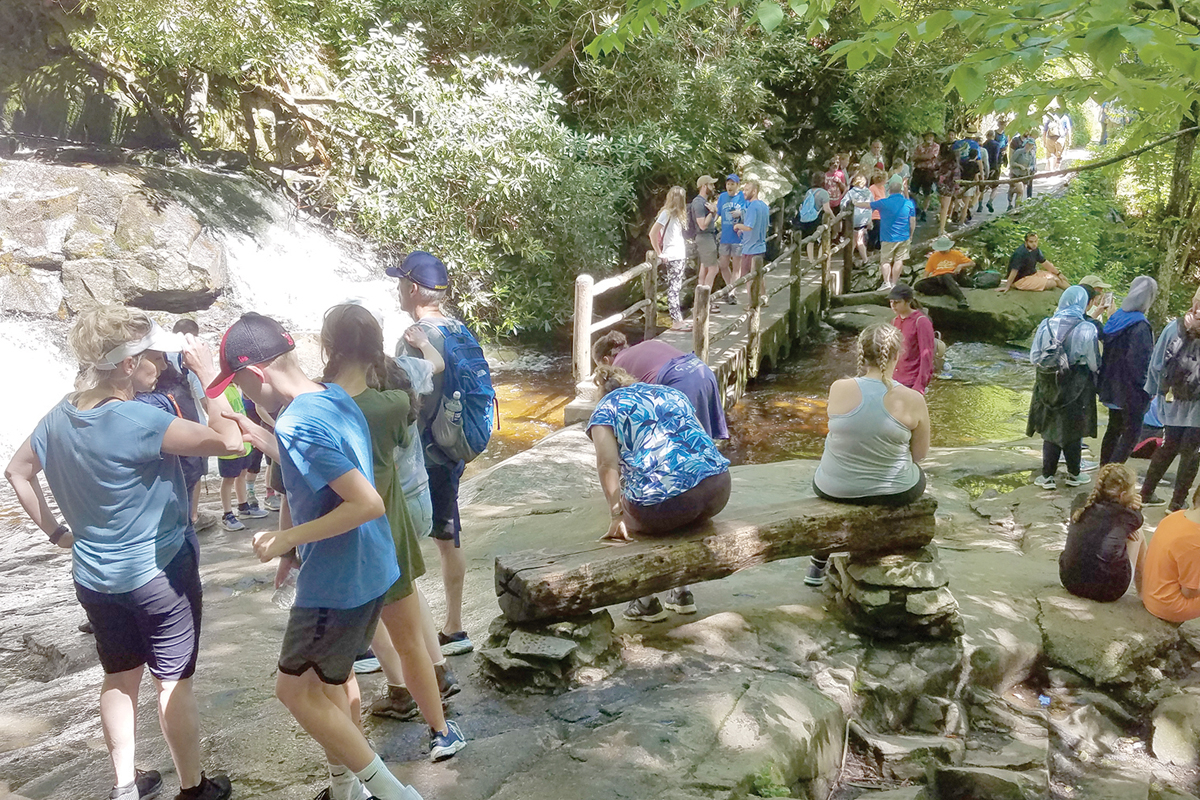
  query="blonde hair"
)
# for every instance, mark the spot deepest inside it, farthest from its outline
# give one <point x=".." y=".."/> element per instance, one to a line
<point x="1112" y="481"/>
<point x="676" y="204"/>
<point x="878" y="345"/>
<point x="609" y="378"/>
<point x="97" y="332"/>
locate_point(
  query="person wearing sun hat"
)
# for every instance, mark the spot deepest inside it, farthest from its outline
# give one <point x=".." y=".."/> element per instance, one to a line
<point x="945" y="272"/>
<point x="113" y="467"/>
<point x="1100" y="299"/>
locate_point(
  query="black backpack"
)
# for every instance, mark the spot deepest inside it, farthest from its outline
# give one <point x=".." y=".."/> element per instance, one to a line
<point x="1181" y="366"/>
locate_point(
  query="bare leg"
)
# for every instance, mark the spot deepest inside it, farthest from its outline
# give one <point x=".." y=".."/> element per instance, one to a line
<point x="429" y="631"/>
<point x="454" y="571"/>
<point x="325" y="715"/>
<point x="723" y="263"/>
<point x="118" y="718"/>
<point x="944" y="214"/>
<point x="403" y="622"/>
<point x="227" y="494"/>
<point x="860" y="242"/>
<point x="708" y="276"/>
<point x="196" y="502"/>
<point x="180" y="720"/>
<point x="240" y="487"/>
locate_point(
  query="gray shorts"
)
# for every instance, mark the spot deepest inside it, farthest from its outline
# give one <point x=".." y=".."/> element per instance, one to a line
<point x="706" y="250"/>
<point x="732" y="249"/>
<point x="328" y="640"/>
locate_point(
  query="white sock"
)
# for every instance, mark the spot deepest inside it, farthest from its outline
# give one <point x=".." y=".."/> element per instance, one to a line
<point x="440" y="662"/>
<point x="344" y="785"/>
<point x="382" y="784"/>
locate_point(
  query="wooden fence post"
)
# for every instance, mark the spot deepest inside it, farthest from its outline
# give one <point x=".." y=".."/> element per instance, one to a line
<point x="794" y="294"/>
<point x="650" y="291"/>
<point x="583" y="328"/>
<point x="754" y="323"/>
<point x="700" y="308"/>
<point x="847" y="265"/>
<point x="824" y="255"/>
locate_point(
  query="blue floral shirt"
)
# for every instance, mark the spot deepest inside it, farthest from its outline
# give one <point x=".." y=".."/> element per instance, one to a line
<point x="664" y="450"/>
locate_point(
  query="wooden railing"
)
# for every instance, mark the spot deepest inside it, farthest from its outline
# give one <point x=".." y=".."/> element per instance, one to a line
<point x="586" y="292"/>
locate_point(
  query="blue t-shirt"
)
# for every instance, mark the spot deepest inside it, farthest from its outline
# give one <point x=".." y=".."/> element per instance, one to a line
<point x="664" y="450"/>
<point x="725" y="206"/>
<point x="994" y="149"/>
<point x="894" y="212"/>
<point x="322" y="436"/>
<point x="758" y="216"/>
<point x="125" y="500"/>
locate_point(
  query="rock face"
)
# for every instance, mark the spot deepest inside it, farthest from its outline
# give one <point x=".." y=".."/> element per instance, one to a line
<point x="72" y="237"/>
<point x="1177" y="730"/>
<point x="992" y="316"/>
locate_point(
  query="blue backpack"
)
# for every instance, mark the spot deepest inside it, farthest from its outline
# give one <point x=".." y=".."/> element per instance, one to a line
<point x="464" y="434"/>
<point x="808" y="209"/>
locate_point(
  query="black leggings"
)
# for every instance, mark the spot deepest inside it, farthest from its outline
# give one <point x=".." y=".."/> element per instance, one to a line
<point x="1184" y="442"/>
<point x="948" y="283"/>
<point x="1122" y="434"/>
<point x="1071" y="451"/>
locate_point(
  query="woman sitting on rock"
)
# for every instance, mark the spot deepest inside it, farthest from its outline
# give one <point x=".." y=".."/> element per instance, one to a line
<point x="659" y="470"/>
<point x="1105" y="546"/>
<point x="878" y="433"/>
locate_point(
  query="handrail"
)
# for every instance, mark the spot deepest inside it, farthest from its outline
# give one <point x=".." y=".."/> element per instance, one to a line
<point x="613" y="319"/>
<point x="608" y="284"/>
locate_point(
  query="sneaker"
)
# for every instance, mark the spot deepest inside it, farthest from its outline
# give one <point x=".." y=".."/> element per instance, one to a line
<point x="366" y="663"/>
<point x="816" y="573"/>
<point x="205" y="520"/>
<point x="1152" y="501"/>
<point x="146" y="784"/>
<point x="963" y="304"/>
<point x="445" y="745"/>
<point x="732" y="300"/>
<point x="1077" y="480"/>
<point x="455" y="644"/>
<point x="215" y="788"/>
<point x="447" y="683"/>
<point x="979" y="208"/>
<point x="681" y="601"/>
<point x="1088" y="466"/>
<point x="231" y="523"/>
<point x="398" y="703"/>
<point x="1044" y="482"/>
<point x="250" y="509"/>
<point x="989" y="207"/>
<point x="272" y="502"/>
<point x="1173" y="507"/>
<point x="641" y="610"/>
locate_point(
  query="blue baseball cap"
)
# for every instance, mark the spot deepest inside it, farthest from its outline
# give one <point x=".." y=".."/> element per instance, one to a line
<point x="733" y="177"/>
<point x="423" y="269"/>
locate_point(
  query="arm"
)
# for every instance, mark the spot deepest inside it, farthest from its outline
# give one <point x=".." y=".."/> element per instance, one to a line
<point x="926" y="346"/>
<point x="1141" y="558"/>
<point x="419" y="340"/>
<point x="919" y="445"/>
<point x="360" y="504"/>
<point x="656" y="237"/>
<point x="22" y="474"/>
<point x="608" y="467"/>
<point x="186" y="438"/>
<point x="1153" y="385"/>
<point x="198" y="358"/>
<point x="258" y="436"/>
<point x="912" y="226"/>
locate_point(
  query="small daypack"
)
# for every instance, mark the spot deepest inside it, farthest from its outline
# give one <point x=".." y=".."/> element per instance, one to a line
<point x="1055" y="358"/>
<point x="1181" y="366"/>
<point x="462" y="434"/>
<point x="692" y="228"/>
<point x="808" y="209"/>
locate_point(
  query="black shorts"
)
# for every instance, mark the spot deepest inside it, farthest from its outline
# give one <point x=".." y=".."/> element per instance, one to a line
<point x="157" y="624"/>
<point x="232" y="467"/>
<point x="923" y="181"/>
<point x="254" y="461"/>
<point x="443" y="494"/>
<point x="328" y="640"/>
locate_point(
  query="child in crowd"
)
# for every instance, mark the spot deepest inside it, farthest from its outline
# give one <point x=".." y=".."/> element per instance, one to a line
<point x="1105" y="546"/>
<point x="234" y="471"/>
<point x="878" y="190"/>
<point x="324" y="451"/>
<point x="859" y="193"/>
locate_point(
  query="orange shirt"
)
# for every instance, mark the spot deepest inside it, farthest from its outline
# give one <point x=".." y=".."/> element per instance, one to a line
<point x="943" y="262"/>
<point x="878" y="191"/>
<point x="1172" y="560"/>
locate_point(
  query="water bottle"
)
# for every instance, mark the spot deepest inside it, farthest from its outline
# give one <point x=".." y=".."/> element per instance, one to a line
<point x="285" y="595"/>
<point x="454" y="408"/>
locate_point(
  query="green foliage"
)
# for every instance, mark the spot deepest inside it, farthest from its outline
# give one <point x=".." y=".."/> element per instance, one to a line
<point x="766" y="784"/>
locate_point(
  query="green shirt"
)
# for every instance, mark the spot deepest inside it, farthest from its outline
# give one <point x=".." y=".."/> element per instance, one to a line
<point x="387" y="418"/>
<point x="234" y="396"/>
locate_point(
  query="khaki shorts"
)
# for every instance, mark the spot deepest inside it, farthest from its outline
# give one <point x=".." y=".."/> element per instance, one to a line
<point x="1039" y="281"/>
<point x="891" y="252"/>
<point x="706" y="249"/>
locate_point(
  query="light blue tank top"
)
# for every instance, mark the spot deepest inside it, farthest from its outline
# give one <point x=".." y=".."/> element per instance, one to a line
<point x="868" y="451"/>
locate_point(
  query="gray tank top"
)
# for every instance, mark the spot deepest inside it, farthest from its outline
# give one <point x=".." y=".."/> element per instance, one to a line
<point x="868" y="451"/>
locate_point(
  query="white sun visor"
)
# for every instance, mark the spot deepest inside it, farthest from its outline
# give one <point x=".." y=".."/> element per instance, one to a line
<point x="158" y="339"/>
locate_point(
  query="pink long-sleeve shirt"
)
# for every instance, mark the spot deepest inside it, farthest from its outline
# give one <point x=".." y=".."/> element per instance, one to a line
<point x="915" y="368"/>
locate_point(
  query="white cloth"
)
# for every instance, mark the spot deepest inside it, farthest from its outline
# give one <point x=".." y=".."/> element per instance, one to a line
<point x="674" y="248"/>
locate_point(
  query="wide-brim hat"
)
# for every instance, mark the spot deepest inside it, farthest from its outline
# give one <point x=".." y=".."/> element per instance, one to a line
<point x="943" y="243"/>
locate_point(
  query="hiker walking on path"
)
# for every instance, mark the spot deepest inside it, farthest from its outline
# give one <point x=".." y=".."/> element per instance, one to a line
<point x="925" y="169"/>
<point x="815" y="203"/>
<point x="1174" y="376"/>
<point x="113" y="466"/>
<point x="658" y="468"/>
<point x="1066" y="353"/>
<point x="1030" y="271"/>
<point x="948" y="172"/>
<point x="667" y="239"/>
<point x="915" y="367"/>
<point x="1128" y="345"/>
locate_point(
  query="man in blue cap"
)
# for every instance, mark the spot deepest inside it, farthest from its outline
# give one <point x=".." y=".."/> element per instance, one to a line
<point x="423" y="286"/>
<point x="730" y="204"/>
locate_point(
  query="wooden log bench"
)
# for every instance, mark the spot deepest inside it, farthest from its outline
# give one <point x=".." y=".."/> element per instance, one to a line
<point x="566" y="582"/>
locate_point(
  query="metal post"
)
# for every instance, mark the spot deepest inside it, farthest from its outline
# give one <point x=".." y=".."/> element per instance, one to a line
<point x="754" y="323"/>
<point x="583" y="328"/>
<point x="650" y="291"/>
<point x="700" y="332"/>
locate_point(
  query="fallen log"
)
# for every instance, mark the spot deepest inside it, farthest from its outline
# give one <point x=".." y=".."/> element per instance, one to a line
<point x="567" y="582"/>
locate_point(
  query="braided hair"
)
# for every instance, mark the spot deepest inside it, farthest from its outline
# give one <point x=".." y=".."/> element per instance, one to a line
<point x="878" y="345"/>
<point x="351" y="335"/>
<point x="1112" y="482"/>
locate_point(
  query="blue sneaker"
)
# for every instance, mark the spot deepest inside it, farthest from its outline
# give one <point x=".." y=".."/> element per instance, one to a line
<point x="445" y="745"/>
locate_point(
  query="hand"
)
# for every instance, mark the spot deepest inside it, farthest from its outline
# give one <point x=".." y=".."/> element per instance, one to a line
<point x="66" y="540"/>
<point x="286" y="563"/>
<point x="1002" y="289"/>
<point x="270" y="544"/>
<point x="197" y="356"/>
<point x="416" y="337"/>
<point x="252" y="432"/>
<point x="617" y="531"/>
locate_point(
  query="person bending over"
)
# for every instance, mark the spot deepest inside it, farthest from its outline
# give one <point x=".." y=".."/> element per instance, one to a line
<point x="878" y="434"/>
<point x="658" y="468"/>
<point x="1105" y="548"/>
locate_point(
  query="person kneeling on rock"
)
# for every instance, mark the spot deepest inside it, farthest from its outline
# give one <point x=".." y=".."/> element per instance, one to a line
<point x="659" y="469"/>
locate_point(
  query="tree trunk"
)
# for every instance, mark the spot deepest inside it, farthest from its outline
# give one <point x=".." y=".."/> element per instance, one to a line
<point x="1178" y="234"/>
<point x="195" y="102"/>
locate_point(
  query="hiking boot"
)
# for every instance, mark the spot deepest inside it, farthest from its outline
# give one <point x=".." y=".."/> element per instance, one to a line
<point x="1077" y="480"/>
<point x="1044" y="482"/>
<point x="146" y="784"/>
<point x="205" y="520"/>
<point x="455" y="644"/>
<point x="215" y="788"/>
<point x="1152" y="501"/>
<point x="447" y="683"/>
<point x="445" y="745"/>
<point x="816" y="573"/>
<point x="979" y="208"/>
<point x="86" y="627"/>
<point x="398" y="703"/>
<point x="272" y="502"/>
<point x="642" y="610"/>
<point x="231" y="523"/>
<point x="681" y="601"/>
<point x="732" y="299"/>
<point x="250" y="509"/>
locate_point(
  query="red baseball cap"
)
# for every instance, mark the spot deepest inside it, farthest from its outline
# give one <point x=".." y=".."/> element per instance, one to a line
<point x="251" y="340"/>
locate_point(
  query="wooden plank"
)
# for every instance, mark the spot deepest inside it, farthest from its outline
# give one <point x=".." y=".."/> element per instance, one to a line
<point x="620" y="280"/>
<point x="561" y="583"/>
<point x="613" y="319"/>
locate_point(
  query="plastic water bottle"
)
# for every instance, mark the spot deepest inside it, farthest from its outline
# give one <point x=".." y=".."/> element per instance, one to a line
<point x="454" y="408"/>
<point x="285" y="595"/>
